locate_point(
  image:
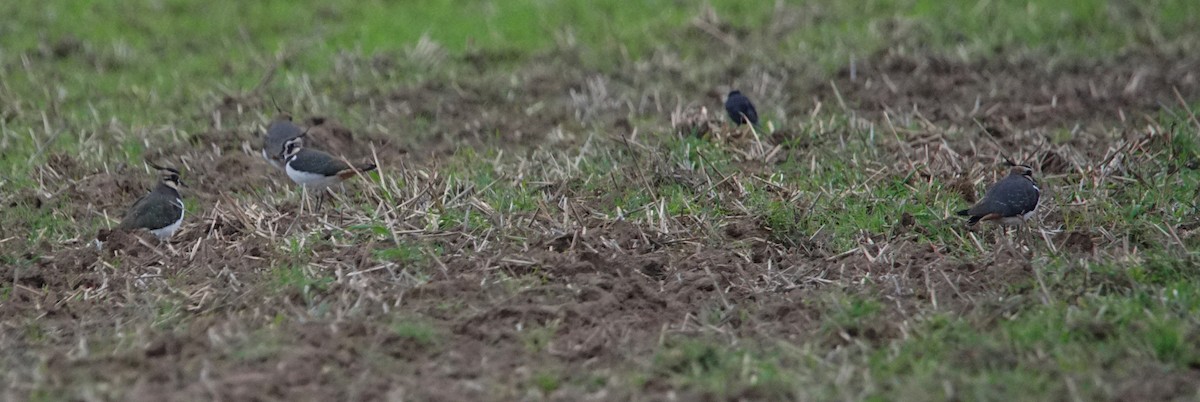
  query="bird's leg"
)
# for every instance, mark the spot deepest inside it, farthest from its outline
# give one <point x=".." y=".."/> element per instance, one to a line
<point x="327" y="193"/>
<point x="1003" y="236"/>
<point x="1016" y="239"/>
<point x="304" y="199"/>
<point x="161" y="244"/>
<point x="1012" y="238"/>
<point x="321" y="198"/>
<point x="1028" y="238"/>
<point x="1019" y="235"/>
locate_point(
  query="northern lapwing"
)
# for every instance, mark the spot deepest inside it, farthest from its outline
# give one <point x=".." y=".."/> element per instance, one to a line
<point x="279" y="132"/>
<point x="1010" y="202"/>
<point x="740" y="110"/>
<point x="160" y="211"/>
<point x="318" y="170"/>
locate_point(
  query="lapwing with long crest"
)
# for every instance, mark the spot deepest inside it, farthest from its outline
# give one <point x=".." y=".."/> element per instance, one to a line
<point x="317" y="170"/>
<point x="1010" y="202"/>
<point x="160" y="211"/>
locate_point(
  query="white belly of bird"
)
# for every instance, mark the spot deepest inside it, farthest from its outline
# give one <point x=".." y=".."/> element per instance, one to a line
<point x="164" y="232"/>
<point x="1029" y="214"/>
<point x="311" y="180"/>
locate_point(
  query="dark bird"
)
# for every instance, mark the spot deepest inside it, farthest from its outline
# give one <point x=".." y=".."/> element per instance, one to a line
<point x="317" y="170"/>
<point x="1009" y="202"/>
<point x="279" y="132"/>
<point x="160" y="211"/>
<point x="740" y="109"/>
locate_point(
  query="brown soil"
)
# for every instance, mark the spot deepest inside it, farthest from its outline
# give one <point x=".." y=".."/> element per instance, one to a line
<point x="603" y="297"/>
<point x="1007" y="94"/>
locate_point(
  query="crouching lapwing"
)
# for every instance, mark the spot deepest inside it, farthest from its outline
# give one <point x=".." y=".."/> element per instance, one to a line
<point x="160" y="211"/>
<point x="1009" y="202"/>
<point x="740" y="110"/>
<point x="279" y="132"/>
<point x="316" y="170"/>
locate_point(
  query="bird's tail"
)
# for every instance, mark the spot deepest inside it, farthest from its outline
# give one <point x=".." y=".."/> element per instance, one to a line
<point x="366" y="167"/>
<point x="972" y="220"/>
<point x="361" y="168"/>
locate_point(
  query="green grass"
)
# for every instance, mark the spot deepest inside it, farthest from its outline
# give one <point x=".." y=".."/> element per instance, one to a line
<point x="722" y="370"/>
<point x="418" y="331"/>
<point x="168" y="313"/>
<point x="547" y="382"/>
<point x="261" y="345"/>
<point x="1130" y="324"/>
<point x="402" y="254"/>
<point x="303" y="282"/>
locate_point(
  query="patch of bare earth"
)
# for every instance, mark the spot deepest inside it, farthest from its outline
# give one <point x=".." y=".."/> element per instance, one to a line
<point x="1018" y="93"/>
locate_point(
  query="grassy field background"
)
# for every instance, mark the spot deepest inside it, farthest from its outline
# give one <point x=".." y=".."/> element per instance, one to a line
<point x="562" y="212"/>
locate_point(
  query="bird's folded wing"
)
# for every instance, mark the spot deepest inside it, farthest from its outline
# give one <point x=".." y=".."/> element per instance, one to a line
<point x="151" y="213"/>
<point x="318" y="162"/>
